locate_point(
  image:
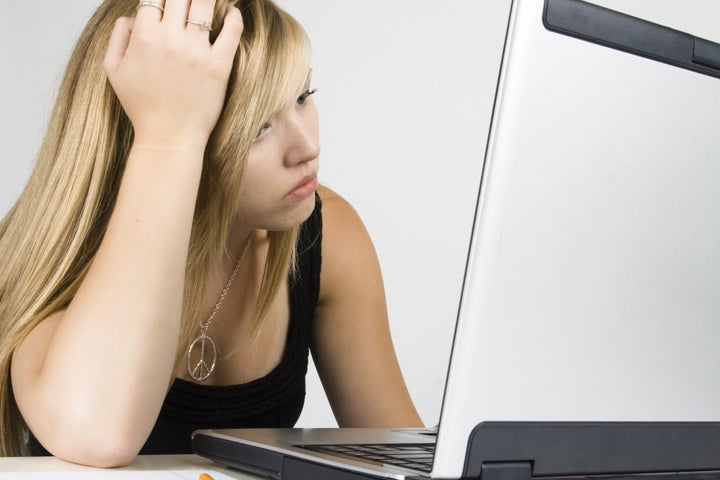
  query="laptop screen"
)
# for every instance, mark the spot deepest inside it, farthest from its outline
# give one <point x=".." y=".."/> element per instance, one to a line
<point x="590" y="290"/>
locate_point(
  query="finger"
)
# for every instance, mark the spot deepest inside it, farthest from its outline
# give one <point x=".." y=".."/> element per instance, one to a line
<point x="150" y="10"/>
<point x="228" y="39"/>
<point x="118" y="44"/>
<point x="176" y="12"/>
<point x="200" y="15"/>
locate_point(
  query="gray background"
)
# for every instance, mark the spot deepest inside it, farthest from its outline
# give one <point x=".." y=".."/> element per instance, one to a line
<point x="405" y="96"/>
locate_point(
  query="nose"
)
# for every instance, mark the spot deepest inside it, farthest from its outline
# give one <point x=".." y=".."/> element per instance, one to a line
<point x="304" y="144"/>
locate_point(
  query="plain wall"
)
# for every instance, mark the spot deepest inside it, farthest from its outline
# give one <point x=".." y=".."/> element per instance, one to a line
<point x="405" y="96"/>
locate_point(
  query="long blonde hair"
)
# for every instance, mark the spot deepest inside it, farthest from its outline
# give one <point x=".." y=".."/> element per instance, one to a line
<point x="50" y="236"/>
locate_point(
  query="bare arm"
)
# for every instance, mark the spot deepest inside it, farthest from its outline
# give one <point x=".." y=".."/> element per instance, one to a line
<point x="352" y="346"/>
<point x="90" y="380"/>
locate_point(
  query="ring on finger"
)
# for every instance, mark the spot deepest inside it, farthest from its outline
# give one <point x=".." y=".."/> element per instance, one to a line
<point x="150" y="3"/>
<point x="207" y="26"/>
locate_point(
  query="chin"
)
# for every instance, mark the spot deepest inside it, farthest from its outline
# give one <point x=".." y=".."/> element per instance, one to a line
<point x="305" y="208"/>
<point x="296" y="215"/>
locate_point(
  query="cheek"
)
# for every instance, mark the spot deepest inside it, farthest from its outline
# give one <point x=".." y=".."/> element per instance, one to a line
<point x="257" y="180"/>
<point x="260" y="162"/>
<point x="261" y="180"/>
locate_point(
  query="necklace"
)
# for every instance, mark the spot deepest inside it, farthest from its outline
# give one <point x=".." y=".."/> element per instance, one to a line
<point x="204" y="343"/>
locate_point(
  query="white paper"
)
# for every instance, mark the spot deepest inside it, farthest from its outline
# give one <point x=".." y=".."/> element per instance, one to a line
<point x="116" y="475"/>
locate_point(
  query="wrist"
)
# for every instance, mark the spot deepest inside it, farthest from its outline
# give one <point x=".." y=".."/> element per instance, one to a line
<point x="171" y="141"/>
<point x="169" y="147"/>
<point x="154" y="158"/>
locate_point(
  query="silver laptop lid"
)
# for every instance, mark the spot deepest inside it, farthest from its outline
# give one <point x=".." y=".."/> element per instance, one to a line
<point x="591" y="290"/>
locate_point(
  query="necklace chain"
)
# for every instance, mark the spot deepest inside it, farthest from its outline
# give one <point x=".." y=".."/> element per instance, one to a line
<point x="202" y="370"/>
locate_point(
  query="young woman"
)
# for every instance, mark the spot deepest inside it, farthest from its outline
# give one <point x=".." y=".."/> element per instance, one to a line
<point x="172" y="260"/>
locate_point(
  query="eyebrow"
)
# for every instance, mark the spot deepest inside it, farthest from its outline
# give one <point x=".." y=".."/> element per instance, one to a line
<point x="308" y="79"/>
<point x="278" y="114"/>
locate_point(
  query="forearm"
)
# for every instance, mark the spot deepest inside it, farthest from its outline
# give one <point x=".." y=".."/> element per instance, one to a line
<point x="109" y="361"/>
<point x="90" y="380"/>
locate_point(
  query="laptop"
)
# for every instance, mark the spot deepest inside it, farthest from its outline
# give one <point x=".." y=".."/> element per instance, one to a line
<point x="586" y="341"/>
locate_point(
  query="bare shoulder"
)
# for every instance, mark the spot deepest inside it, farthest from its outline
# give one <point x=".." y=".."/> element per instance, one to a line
<point x="343" y="229"/>
<point x="348" y="252"/>
<point x="336" y="209"/>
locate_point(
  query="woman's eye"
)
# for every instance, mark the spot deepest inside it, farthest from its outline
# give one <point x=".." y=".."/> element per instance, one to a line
<point x="304" y="96"/>
<point x="262" y="130"/>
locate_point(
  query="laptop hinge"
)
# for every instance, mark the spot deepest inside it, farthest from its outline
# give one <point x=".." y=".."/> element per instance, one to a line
<point x="556" y="449"/>
<point x="506" y="471"/>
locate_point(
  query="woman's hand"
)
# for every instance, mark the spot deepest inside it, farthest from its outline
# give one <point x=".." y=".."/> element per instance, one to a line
<point x="169" y="78"/>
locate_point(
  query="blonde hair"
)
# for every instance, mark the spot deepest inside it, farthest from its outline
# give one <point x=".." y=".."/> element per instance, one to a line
<point x="50" y="236"/>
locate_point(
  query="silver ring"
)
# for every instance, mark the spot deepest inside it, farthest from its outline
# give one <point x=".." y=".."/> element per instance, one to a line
<point x="207" y="26"/>
<point x="151" y="3"/>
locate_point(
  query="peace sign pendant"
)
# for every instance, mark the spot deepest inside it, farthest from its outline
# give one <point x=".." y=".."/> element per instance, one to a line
<point x="202" y="370"/>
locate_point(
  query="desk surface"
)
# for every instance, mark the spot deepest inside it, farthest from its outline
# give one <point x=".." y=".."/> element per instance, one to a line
<point x="158" y="467"/>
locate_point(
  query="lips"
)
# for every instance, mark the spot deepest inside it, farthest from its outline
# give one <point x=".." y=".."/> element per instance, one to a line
<point x="304" y="188"/>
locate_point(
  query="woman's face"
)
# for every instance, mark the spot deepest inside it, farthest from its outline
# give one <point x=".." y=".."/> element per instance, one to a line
<point x="278" y="189"/>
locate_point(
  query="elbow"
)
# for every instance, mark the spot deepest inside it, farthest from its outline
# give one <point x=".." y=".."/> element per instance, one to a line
<point x="107" y="452"/>
<point x="112" y="458"/>
<point x="108" y="433"/>
<point x="113" y="454"/>
<point x="94" y="442"/>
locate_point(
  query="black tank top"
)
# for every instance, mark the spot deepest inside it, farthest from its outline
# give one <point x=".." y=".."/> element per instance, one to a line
<point x="275" y="400"/>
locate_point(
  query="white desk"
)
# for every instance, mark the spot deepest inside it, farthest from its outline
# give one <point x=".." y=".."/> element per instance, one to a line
<point x="159" y="467"/>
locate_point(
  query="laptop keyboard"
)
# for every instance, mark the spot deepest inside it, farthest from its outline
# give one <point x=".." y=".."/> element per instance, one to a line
<point x="413" y="456"/>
